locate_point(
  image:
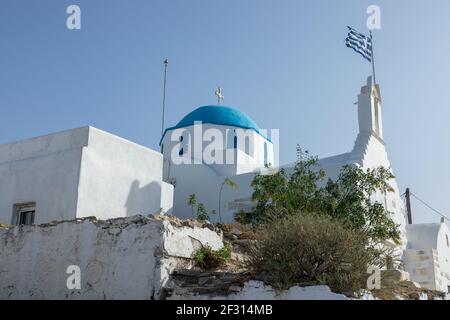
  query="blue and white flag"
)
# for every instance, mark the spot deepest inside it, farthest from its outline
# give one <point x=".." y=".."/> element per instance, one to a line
<point x="360" y="43"/>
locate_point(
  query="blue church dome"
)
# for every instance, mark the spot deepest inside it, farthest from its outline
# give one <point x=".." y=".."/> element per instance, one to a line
<point x="220" y="115"/>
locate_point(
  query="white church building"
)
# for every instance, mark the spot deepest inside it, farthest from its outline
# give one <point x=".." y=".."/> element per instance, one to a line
<point x="88" y="172"/>
<point x="184" y="168"/>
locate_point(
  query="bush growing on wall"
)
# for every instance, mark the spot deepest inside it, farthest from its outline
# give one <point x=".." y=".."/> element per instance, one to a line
<point x="311" y="249"/>
<point x="206" y="258"/>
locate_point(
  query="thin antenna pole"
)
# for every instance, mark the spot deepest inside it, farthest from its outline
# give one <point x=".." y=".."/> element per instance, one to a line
<point x="166" y="62"/>
<point x="373" y="60"/>
<point x="408" y="205"/>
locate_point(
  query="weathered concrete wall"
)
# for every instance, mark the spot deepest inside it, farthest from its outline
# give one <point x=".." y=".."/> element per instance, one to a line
<point x="127" y="258"/>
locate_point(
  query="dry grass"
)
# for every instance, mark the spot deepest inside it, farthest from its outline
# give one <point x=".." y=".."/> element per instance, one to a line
<point x="308" y="250"/>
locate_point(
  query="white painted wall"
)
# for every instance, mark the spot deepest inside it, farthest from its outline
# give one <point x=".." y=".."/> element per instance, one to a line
<point x="204" y="180"/>
<point x="120" y="178"/>
<point x="370" y="152"/>
<point x="369" y="109"/>
<point x="44" y="170"/>
<point x="128" y="258"/>
<point x="248" y="157"/>
<point x="205" y="183"/>
<point x="427" y="257"/>
<point x="81" y="172"/>
<point x="422" y="266"/>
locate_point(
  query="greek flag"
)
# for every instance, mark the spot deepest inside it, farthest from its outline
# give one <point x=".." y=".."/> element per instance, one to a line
<point x="360" y="43"/>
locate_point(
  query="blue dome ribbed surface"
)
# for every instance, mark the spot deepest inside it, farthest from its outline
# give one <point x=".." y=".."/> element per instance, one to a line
<point x="220" y="115"/>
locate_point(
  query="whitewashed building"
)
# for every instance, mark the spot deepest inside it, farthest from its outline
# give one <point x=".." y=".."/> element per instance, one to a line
<point x="427" y="256"/>
<point x="78" y="173"/>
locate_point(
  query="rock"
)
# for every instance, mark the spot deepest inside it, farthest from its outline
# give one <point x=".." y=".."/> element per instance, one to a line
<point x="114" y="231"/>
<point x="245" y="243"/>
<point x="235" y="289"/>
<point x="210" y="226"/>
<point x="394" y="275"/>
<point x="207" y="274"/>
<point x="186" y="223"/>
<point x="187" y="273"/>
<point x="235" y="231"/>
<point x="204" y="280"/>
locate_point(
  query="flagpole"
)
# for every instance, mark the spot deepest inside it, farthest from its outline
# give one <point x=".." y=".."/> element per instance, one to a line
<point x="373" y="60"/>
<point x="166" y="62"/>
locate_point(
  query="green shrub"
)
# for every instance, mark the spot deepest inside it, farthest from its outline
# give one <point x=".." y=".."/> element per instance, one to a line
<point x="202" y="215"/>
<point x="347" y="199"/>
<point x="309" y="250"/>
<point x="207" y="258"/>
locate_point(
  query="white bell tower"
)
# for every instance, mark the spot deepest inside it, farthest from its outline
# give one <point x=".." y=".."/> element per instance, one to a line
<point x="369" y="110"/>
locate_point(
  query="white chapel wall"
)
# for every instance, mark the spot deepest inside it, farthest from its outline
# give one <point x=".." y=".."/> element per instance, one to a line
<point x="119" y="178"/>
<point x="44" y="170"/>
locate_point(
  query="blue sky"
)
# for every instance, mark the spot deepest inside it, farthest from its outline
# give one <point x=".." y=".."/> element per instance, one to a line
<point x="282" y="62"/>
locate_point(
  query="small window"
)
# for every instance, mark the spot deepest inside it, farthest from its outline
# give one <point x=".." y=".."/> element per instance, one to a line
<point x="235" y="142"/>
<point x="247" y="146"/>
<point x="266" y="155"/>
<point x="446" y="238"/>
<point x="181" y="152"/>
<point x="24" y="214"/>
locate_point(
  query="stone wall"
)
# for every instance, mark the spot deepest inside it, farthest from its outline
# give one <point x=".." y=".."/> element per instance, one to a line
<point x="139" y="258"/>
<point x="125" y="258"/>
<point x="195" y="285"/>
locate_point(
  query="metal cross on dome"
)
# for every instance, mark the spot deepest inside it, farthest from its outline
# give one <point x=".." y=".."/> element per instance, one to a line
<point x="219" y="95"/>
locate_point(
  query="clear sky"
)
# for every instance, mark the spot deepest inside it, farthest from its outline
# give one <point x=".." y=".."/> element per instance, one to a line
<point x="282" y="62"/>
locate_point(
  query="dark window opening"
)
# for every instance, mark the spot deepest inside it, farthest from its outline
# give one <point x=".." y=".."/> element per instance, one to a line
<point x="248" y="140"/>
<point x="24" y="214"/>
